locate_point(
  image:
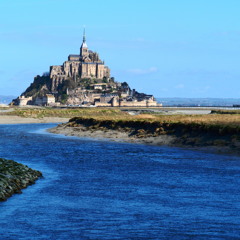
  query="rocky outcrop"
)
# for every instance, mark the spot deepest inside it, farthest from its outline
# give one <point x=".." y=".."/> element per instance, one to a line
<point x="14" y="177"/>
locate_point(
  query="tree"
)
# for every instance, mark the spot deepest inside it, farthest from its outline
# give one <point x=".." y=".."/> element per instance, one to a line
<point x="46" y="74"/>
<point x="105" y="79"/>
<point x="64" y="98"/>
<point x="125" y="85"/>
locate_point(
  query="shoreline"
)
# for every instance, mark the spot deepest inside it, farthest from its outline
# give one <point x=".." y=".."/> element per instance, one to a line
<point x="126" y="137"/>
<point x="9" y="119"/>
<point x="134" y="134"/>
<point x="113" y="135"/>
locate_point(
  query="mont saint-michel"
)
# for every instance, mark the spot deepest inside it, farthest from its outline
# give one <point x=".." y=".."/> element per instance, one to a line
<point x="82" y="80"/>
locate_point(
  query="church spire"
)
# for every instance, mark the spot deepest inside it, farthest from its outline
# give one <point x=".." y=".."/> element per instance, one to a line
<point x="84" y="44"/>
<point x="84" y="47"/>
<point x="84" y="36"/>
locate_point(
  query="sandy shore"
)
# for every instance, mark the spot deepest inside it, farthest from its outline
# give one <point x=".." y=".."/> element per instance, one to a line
<point x="118" y="136"/>
<point x="121" y="136"/>
<point x="113" y="135"/>
<point x="6" y="119"/>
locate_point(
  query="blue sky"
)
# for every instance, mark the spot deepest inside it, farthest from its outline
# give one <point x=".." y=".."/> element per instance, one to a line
<point x="167" y="48"/>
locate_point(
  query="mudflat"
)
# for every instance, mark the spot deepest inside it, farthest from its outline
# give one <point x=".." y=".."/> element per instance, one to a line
<point x="118" y="136"/>
<point x="121" y="136"/>
<point x="208" y="137"/>
<point x="9" y="119"/>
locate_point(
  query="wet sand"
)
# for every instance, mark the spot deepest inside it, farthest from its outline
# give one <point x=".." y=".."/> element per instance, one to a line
<point x="121" y="136"/>
<point x="118" y="136"/>
<point x="113" y="135"/>
<point x="6" y="119"/>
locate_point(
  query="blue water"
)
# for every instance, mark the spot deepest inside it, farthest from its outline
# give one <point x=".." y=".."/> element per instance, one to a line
<point x="105" y="190"/>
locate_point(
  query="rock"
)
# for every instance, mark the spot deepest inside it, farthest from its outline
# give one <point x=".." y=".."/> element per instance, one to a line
<point x="14" y="177"/>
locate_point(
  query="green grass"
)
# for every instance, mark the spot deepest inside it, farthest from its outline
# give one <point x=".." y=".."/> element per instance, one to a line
<point x="178" y="123"/>
<point x="116" y="114"/>
<point x="65" y="112"/>
<point x="225" y="111"/>
<point x="199" y="130"/>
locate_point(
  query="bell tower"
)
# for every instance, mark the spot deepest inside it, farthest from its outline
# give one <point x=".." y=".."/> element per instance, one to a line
<point x="84" y="48"/>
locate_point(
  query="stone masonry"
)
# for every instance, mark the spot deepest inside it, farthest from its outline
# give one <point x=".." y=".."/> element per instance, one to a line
<point x="85" y="65"/>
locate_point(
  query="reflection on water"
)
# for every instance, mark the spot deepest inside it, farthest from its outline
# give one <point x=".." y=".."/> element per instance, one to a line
<point x="106" y="190"/>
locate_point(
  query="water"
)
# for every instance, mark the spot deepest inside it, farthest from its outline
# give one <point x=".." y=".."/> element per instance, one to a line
<point x="199" y="102"/>
<point x="107" y="190"/>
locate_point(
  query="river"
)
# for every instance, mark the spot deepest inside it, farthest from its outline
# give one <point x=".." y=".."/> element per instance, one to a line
<point x="96" y="189"/>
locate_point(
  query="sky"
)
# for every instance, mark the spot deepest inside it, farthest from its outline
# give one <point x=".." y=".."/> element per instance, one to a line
<point x="168" y="48"/>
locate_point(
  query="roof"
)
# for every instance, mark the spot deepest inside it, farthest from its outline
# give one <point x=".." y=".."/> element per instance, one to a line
<point x="50" y="95"/>
<point x="74" y="55"/>
<point x="100" y="84"/>
<point x="84" y="45"/>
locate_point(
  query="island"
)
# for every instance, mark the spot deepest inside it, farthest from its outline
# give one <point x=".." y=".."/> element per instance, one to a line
<point x="82" y="80"/>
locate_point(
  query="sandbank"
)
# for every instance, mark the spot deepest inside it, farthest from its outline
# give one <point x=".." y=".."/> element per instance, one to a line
<point x="113" y="135"/>
<point x="121" y="136"/>
<point x="8" y="119"/>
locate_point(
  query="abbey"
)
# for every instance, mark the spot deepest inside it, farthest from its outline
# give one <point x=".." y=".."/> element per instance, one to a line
<point x="85" y="65"/>
<point x="82" y="80"/>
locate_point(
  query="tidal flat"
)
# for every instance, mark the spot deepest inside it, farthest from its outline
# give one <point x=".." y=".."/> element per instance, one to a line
<point x="212" y="130"/>
<point x="218" y="131"/>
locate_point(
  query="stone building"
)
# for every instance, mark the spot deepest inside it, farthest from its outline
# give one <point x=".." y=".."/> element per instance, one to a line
<point x="85" y="65"/>
<point x="23" y="101"/>
<point x="86" y="81"/>
<point x="47" y="100"/>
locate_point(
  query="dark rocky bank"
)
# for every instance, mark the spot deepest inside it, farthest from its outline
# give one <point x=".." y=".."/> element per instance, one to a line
<point x="14" y="177"/>
<point x="222" y="138"/>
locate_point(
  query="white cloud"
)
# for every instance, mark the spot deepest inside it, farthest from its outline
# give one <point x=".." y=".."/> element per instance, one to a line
<point x="199" y="72"/>
<point x="139" y="40"/>
<point x="203" y="89"/>
<point x="141" y="71"/>
<point x="180" y="86"/>
<point x="163" y="89"/>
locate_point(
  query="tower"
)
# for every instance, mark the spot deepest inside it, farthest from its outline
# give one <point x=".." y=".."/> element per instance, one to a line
<point x="84" y="48"/>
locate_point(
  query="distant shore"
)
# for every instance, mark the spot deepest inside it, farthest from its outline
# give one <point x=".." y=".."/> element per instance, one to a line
<point x="8" y="119"/>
